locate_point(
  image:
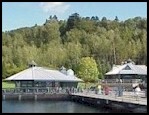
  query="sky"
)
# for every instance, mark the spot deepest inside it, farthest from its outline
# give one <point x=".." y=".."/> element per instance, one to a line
<point x="26" y="14"/>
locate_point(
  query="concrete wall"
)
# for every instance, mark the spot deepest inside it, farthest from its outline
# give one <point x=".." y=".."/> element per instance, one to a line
<point x="35" y="97"/>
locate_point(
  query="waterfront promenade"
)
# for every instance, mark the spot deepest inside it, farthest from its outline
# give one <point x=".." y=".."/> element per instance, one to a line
<point x="128" y="102"/>
<point x="128" y="97"/>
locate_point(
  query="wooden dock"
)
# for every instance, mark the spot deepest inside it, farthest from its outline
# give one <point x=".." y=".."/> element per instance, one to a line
<point x="127" y="102"/>
<point x="127" y="97"/>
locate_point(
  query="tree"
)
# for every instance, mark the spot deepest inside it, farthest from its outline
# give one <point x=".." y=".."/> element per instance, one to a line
<point x="87" y="69"/>
<point x="104" y="19"/>
<point x="72" y="21"/>
<point x="96" y="18"/>
<point x="65" y="42"/>
<point x="3" y="70"/>
<point x="116" y="18"/>
<point x="87" y="25"/>
<point x="55" y="17"/>
<point x="104" y="22"/>
<point x="50" y="32"/>
<point x="73" y="54"/>
<point x="50" y="17"/>
<point x="93" y="18"/>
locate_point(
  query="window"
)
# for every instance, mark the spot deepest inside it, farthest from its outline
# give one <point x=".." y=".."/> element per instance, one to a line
<point x="23" y="83"/>
<point x="127" y="77"/>
<point x="127" y="68"/>
<point x="26" y="84"/>
<point x="40" y="84"/>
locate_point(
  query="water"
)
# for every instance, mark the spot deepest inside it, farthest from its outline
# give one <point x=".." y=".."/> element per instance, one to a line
<point x="26" y="106"/>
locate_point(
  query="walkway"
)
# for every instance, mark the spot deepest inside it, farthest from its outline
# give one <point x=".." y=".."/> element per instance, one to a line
<point x="128" y="97"/>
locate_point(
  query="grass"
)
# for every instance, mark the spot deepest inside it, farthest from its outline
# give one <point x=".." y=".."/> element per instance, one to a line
<point x="8" y="85"/>
<point x="88" y="85"/>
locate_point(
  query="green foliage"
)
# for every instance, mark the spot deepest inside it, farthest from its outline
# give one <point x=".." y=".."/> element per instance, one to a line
<point x="87" y="69"/>
<point x="8" y="85"/>
<point x="83" y="85"/>
<point x="73" y="21"/>
<point x="65" y="42"/>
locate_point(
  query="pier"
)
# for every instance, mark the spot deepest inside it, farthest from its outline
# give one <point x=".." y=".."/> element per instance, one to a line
<point x="128" y="102"/>
<point x="35" y="94"/>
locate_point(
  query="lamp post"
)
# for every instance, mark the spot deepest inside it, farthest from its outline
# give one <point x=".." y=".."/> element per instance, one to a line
<point x="120" y="87"/>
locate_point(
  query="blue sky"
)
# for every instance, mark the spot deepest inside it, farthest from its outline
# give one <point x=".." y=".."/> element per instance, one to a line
<point x="26" y="14"/>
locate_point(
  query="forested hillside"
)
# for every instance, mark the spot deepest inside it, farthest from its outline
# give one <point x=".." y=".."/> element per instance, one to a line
<point x="59" y="43"/>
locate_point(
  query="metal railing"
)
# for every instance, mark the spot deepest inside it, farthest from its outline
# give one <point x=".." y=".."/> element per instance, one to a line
<point x="123" y="80"/>
<point x="35" y="90"/>
<point x="127" y="96"/>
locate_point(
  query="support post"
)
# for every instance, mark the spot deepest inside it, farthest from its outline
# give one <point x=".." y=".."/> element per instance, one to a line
<point x="4" y="97"/>
<point x="35" y="97"/>
<point x="20" y="97"/>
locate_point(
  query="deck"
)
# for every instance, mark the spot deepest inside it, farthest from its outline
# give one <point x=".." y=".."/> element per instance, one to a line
<point x="128" y="97"/>
<point x="128" y="102"/>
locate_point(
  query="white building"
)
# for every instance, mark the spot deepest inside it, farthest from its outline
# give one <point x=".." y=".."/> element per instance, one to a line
<point x="128" y="72"/>
<point x="43" y="77"/>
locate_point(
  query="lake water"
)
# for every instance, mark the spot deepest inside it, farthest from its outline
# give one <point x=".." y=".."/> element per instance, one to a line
<point x="26" y="106"/>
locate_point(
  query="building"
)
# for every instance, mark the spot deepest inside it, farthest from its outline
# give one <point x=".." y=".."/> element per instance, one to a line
<point x="40" y="77"/>
<point x="127" y="73"/>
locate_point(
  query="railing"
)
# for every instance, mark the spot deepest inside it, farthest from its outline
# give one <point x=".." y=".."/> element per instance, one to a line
<point x="127" y="96"/>
<point x="123" y="80"/>
<point x="58" y="90"/>
<point x="130" y="97"/>
<point x="45" y="90"/>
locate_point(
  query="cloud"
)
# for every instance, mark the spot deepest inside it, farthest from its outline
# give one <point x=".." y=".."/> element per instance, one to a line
<point x="54" y="7"/>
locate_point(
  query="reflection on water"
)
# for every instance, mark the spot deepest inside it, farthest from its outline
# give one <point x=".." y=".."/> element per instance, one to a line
<point x="15" y="106"/>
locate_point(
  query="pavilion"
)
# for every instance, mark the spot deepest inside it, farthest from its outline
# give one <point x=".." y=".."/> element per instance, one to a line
<point x="127" y="76"/>
<point x="39" y="77"/>
<point x="128" y="71"/>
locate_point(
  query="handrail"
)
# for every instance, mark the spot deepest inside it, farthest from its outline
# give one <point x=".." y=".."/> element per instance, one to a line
<point x="130" y="97"/>
<point x="38" y="90"/>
